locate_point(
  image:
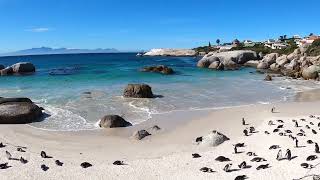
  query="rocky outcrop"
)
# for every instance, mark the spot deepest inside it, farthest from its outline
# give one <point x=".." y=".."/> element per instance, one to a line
<point x="18" y="68"/>
<point x="2" y="67"/>
<point x="252" y="63"/>
<point x="138" y="91"/>
<point x="213" y="139"/>
<point x="113" y="121"/>
<point x="171" y="52"/>
<point x="311" y="72"/>
<point x="139" y="135"/>
<point x="18" y="111"/>
<point x="158" y="69"/>
<point x="230" y="60"/>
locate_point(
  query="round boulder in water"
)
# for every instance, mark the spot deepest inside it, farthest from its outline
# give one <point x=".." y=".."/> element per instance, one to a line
<point x="113" y="121"/>
<point x="214" y="139"/>
<point x="138" y="91"/>
<point x="18" y="111"/>
<point x="23" y="67"/>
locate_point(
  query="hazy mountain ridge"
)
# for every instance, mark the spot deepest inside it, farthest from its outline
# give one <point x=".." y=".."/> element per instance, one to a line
<point x="48" y="50"/>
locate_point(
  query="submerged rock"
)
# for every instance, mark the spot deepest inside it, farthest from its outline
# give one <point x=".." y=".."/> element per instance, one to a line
<point x="138" y="91"/>
<point x="113" y="121"/>
<point x="159" y="69"/>
<point x="6" y="71"/>
<point x="18" y="111"/>
<point x="141" y="134"/>
<point x="268" y="78"/>
<point x="214" y="139"/>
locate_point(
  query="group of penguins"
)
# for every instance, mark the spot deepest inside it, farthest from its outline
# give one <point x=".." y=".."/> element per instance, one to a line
<point x="288" y="155"/>
<point x="44" y="155"/>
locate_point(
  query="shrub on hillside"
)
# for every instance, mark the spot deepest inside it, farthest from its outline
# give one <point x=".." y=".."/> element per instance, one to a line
<point x="314" y="49"/>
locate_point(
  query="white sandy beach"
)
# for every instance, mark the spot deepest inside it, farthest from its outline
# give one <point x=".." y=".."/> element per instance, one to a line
<point x="167" y="154"/>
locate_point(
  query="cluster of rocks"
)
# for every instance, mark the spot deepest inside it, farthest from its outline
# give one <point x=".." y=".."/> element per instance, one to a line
<point x="18" y="68"/>
<point x="230" y="60"/>
<point x="171" y="52"/>
<point x="158" y="69"/>
<point x="19" y="111"/>
<point x="295" y="65"/>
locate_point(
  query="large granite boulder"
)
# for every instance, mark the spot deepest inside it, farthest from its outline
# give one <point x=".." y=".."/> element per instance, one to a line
<point x="295" y="55"/>
<point x="171" y="52"/>
<point x="216" y="65"/>
<point x="231" y="59"/>
<point x="23" y="67"/>
<point x="282" y="60"/>
<point x="275" y="67"/>
<point x="252" y="63"/>
<point x="113" y="121"/>
<point x="270" y="58"/>
<point x="213" y="139"/>
<point x="18" y="111"/>
<point x="263" y="65"/>
<point x="158" y="69"/>
<point x="6" y="71"/>
<point x="293" y="65"/>
<point x="138" y="91"/>
<point x="311" y="72"/>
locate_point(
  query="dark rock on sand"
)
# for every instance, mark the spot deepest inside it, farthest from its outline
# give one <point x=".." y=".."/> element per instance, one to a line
<point x="312" y="158"/>
<point x="263" y="166"/>
<point x="44" y="155"/>
<point x="44" y="167"/>
<point x="222" y="159"/>
<point x="139" y="135"/>
<point x="118" y="163"/>
<point x="158" y="69"/>
<point x="59" y="163"/>
<point x="207" y="170"/>
<point x="196" y="155"/>
<point x="4" y="166"/>
<point x="113" y="121"/>
<point x="138" y="91"/>
<point x="85" y="165"/>
<point x="18" y="111"/>
<point x="241" y="177"/>
<point x="258" y="159"/>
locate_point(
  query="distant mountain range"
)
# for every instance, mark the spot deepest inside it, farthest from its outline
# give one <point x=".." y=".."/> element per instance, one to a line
<point x="48" y="50"/>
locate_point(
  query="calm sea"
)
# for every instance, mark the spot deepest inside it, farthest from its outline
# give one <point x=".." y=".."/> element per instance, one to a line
<point x="60" y="83"/>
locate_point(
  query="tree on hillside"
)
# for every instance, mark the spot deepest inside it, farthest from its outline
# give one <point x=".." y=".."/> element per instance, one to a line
<point x="218" y="41"/>
<point x="209" y="44"/>
<point x="311" y="34"/>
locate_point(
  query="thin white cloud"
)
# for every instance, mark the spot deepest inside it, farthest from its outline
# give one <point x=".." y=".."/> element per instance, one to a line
<point x="39" y="30"/>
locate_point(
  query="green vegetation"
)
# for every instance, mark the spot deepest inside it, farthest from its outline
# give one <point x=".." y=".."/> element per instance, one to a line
<point x="205" y="49"/>
<point x="314" y="49"/>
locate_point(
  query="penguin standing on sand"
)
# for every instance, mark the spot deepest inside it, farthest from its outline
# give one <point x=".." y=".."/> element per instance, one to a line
<point x="227" y="168"/>
<point x="296" y="124"/>
<point x="288" y="155"/>
<point x="279" y="155"/>
<point x="297" y="142"/>
<point x="245" y="132"/>
<point x="235" y="149"/>
<point x="317" y="148"/>
<point x="273" y="109"/>
<point x="243" y="122"/>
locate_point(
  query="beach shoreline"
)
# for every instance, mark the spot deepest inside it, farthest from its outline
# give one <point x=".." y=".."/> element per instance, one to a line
<point x="176" y="138"/>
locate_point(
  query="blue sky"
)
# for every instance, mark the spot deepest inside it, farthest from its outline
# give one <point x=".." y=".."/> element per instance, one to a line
<point x="145" y="24"/>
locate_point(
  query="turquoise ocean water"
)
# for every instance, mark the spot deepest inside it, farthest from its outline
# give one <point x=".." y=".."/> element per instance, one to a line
<point x="61" y="80"/>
